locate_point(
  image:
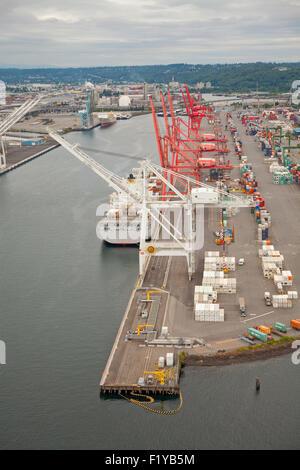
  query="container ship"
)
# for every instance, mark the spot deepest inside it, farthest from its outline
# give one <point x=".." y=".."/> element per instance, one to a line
<point x="107" y="119"/>
<point x="123" y="116"/>
<point x="121" y="223"/>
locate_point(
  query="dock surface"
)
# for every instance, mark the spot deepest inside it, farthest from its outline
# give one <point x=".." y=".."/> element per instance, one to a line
<point x="17" y="156"/>
<point x="130" y="359"/>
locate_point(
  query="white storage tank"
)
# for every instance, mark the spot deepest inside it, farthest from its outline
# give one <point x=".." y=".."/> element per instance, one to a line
<point x="124" y="101"/>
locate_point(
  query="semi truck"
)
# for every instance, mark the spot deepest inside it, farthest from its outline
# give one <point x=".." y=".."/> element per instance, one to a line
<point x="267" y="298"/>
<point x="295" y="323"/>
<point x="242" y="306"/>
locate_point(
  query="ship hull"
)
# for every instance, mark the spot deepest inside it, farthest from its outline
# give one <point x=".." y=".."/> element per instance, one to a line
<point x="107" y="124"/>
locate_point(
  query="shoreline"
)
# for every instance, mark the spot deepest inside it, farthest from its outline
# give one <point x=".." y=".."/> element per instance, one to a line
<point x="240" y="355"/>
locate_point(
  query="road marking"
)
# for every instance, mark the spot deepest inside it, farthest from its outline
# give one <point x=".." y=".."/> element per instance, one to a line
<point x="258" y="316"/>
<point x="167" y="272"/>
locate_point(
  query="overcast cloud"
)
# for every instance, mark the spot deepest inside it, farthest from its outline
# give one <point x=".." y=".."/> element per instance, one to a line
<point x="139" y="32"/>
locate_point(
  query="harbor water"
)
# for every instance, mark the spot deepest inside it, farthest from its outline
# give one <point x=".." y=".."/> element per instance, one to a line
<point x="63" y="295"/>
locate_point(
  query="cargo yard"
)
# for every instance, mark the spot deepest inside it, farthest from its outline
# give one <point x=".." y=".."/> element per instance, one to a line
<point x="241" y="285"/>
<point x="261" y="305"/>
<point x="17" y="155"/>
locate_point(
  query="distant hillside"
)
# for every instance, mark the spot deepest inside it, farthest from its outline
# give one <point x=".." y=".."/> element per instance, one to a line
<point x="271" y="77"/>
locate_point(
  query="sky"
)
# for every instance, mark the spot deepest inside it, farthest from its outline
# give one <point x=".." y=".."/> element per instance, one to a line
<point x="82" y="33"/>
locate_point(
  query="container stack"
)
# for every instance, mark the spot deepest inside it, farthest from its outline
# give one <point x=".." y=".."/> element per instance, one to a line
<point x="262" y="217"/>
<point x="282" y="176"/>
<point x="281" y="301"/>
<point x="266" y="250"/>
<point x="205" y="294"/>
<point x="270" y="270"/>
<point x="235" y="136"/>
<point x="276" y="259"/>
<point x="292" y="294"/>
<point x="205" y="307"/>
<point x="275" y="167"/>
<point x="262" y="232"/>
<point x="284" y="279"/>
<point x="218" y="263"/>
<point x="265" y="217"/>
<point x="220" y="284"/>
<point x="170" y="359"/>
<point x="161" y="362"/>
<point x="209" y="312"/>
<point x="248" y="179"/>
<point x="272" y="263"/>
<point x="211" y="253"/>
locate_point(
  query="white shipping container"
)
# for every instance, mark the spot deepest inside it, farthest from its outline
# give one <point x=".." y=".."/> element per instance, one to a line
<point x="161" y="362"/>
<point x="170" y="359"/>
<point x="203" y="289"/>
<point x="164" y="331"/>
<point x="212" y="253"/>
<point x="278" y="260"/>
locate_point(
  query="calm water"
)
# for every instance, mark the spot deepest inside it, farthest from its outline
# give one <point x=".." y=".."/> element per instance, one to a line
<point x="62" y="298"/>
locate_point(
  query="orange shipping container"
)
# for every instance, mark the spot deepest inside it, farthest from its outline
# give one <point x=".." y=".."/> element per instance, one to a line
<point x="295" y="323"/>
<point x="265" y="329"/>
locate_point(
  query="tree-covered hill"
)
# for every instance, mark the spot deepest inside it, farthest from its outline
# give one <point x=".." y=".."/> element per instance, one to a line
<point x="270" y="77"/>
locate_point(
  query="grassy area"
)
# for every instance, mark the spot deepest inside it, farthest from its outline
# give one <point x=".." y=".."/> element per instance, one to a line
<point x="181" y="356"/>
<point x="284" y="339"/>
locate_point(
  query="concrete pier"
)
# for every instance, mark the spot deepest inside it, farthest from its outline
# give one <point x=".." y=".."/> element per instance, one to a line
<point x="130" y="358"/>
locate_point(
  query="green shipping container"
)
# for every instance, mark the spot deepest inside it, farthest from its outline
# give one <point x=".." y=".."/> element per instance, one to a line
<point x="257" y="334"/>
<point x="280" y="327"/>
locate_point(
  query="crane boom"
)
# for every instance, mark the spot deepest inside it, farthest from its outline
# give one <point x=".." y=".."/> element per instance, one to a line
<point x="111" y="178"/>
<point x="180" y="243"/>
<point x="14" y="117"/>
<point x="157" y="133"/>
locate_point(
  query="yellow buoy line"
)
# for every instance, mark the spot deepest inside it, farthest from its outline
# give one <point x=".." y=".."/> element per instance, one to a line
<point x="144" y="404"/>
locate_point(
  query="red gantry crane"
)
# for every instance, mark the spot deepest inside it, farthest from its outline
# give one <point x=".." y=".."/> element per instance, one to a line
<point x="183" y="149"/>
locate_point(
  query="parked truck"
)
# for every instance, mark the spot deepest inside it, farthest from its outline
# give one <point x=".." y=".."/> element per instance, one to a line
<point x="265" y="329"/>
<point x="267" y="298"/>
<point x="280" y="327"/>
<point x="258" y="334"/>
<point x="242" y="306"/>
<point x="295" y="323"/>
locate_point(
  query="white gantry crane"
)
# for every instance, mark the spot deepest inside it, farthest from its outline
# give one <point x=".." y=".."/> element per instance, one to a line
<point x="175" y="217"/>
<point x="12" y="119"/>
